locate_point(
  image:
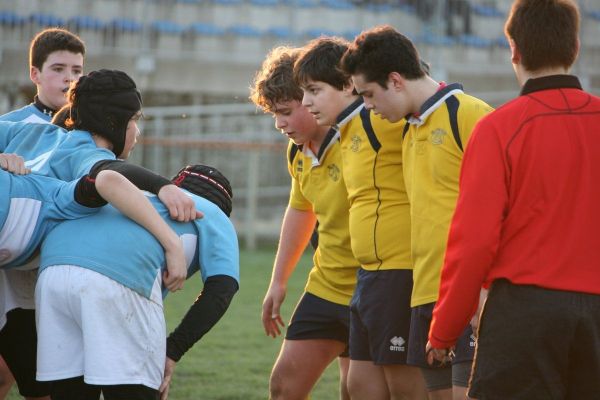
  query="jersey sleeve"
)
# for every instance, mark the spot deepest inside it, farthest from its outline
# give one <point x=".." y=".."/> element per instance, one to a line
<point x="63" y="205"/>
<point x="297" y="200"/>
<point x="474" y="236"/>
<point x="218" y="249"/>
<point x="8" y="131"/>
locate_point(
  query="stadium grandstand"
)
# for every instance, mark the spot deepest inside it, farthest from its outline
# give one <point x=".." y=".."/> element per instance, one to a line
<point x="194" y="61"/>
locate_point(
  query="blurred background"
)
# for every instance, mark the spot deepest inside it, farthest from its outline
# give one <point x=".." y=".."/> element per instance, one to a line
<point x="194" y="61"/>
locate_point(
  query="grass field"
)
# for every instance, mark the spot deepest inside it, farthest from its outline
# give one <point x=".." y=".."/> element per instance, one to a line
<point x="234" y="360"/>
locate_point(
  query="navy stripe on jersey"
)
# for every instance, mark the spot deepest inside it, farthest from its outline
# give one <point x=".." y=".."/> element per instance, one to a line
<point x="368" y="127"/>
<point x="365" y="116"/>
<point x="452" y="103"/>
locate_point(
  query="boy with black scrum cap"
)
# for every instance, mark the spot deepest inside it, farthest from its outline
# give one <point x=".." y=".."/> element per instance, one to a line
<point x="526" y="225"/>
<point x="115" y="269"/>
<point x="379" y="224"/>
<point x="319" y="328"/>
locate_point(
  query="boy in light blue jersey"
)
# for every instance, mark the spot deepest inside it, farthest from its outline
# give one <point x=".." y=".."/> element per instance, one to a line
<point x="105" y="106"/>
<point x="32" y="205"/>
<point x="56" y="58"/>
<point x="118" y="347"/>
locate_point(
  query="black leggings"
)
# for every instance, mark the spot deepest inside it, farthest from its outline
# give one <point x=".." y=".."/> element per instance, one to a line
<point x="77" y="389"/>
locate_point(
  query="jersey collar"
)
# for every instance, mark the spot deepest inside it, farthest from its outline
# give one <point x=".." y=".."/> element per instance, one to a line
<point x="330" y="138"/>
<point x="349" y="112"/>
<point x="434" y="102"/>
<point x="42" y="107"/>
<point x="550" y="82"/>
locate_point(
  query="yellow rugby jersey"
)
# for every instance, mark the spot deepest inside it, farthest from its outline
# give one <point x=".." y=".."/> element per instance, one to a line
<point x="379" y="208"/>
<point x="318" y="184"/>
<point x="432" y="152"/>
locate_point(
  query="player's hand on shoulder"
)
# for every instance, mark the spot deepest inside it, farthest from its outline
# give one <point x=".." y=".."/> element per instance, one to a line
<point x="176" y="271"/>
<point x="181" y="206"/>
<point x="13" y="163"/>
<point x="271" y="317"/>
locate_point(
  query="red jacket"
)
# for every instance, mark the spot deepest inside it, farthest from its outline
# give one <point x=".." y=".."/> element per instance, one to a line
<point x="529" y="202"/>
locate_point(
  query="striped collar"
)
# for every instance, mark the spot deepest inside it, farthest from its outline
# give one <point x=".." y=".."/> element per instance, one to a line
<point x="350" y="112"/>
<point x="434" y="102"/>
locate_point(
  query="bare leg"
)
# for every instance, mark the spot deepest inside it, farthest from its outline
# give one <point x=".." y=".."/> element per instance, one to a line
<point x="405" y="382"/>
<point x="442" y="394"/>
<point x="344" y="363"/>
<point x="366" y="381"/>
<point x="299" y="366"/>
<point x="6" y="379"/>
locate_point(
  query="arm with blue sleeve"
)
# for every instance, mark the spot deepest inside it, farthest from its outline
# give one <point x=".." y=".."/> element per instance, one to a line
<point x="219" y="265"/>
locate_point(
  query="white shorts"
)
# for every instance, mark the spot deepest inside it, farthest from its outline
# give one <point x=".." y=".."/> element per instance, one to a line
<point x="92" y="326"/>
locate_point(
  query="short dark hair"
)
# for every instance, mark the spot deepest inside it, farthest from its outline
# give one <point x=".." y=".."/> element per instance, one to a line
<point x="320" y="61"/>
<point x="545" y="32"/>
<point x="51" y="40"/>
<point x="274" y="82"/>
<point x="377" y="52"/>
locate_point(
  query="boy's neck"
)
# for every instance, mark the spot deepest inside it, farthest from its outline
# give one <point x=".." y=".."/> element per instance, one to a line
<point x="524" y="75"/>
<point x="419" y="91"/>
<point x="316" y="142"/>
<point x="42" y="105"/>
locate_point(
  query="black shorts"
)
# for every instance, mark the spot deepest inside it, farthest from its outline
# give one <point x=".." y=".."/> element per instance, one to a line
<point x="18" y="347"/>
<point x="537" y="343"/>
<point x="317" y="318"/>
<point x="380" y="316"/>
<point x="419" y="332"/>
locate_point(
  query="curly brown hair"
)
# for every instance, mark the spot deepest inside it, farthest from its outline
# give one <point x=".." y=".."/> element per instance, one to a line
<point x="274" y="82"/>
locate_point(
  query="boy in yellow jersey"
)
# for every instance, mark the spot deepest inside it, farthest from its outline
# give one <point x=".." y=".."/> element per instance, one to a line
<point x="379" y="226"/>
<point x="385" y="69"/>
<point x="318" y="331"/>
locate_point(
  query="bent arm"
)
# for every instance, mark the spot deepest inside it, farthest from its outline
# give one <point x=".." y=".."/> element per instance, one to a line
<point x="123" y="195"/>
<point x="206" y="311"/>
<point x="181" y="207"/>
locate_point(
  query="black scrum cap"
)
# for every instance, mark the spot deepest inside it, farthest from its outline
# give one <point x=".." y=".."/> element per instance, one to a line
<point x="207" y="182"/>
<point x="103" y="102"/>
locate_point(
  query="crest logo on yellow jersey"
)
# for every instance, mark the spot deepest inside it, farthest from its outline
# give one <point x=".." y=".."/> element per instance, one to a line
<point x="437" y="137"/>
<point x="334" y="172"/>
<point x="356" y="142"/>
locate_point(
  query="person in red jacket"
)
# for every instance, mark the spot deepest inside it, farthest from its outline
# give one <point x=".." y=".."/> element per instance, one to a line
<point x="526" y="225"/>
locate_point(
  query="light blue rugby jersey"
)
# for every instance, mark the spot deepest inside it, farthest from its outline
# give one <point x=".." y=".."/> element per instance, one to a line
<point x="29" y="113"/>
<point x="52" y="151"/>
<point x="30" y="206"/>
<point x="115" y="246"/>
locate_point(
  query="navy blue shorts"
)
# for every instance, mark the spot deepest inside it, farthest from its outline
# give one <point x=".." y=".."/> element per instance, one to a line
<point x="419" y="332"/>
<point x="537" y="343"/>
<point x="317" y="318"/>
<point x="380" y="316"/>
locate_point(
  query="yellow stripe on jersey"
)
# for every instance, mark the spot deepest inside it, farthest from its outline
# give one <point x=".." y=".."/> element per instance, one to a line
<point x="432" y="159"/>
<point x="379" y="209"/>
<point x="319" y="185"/>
